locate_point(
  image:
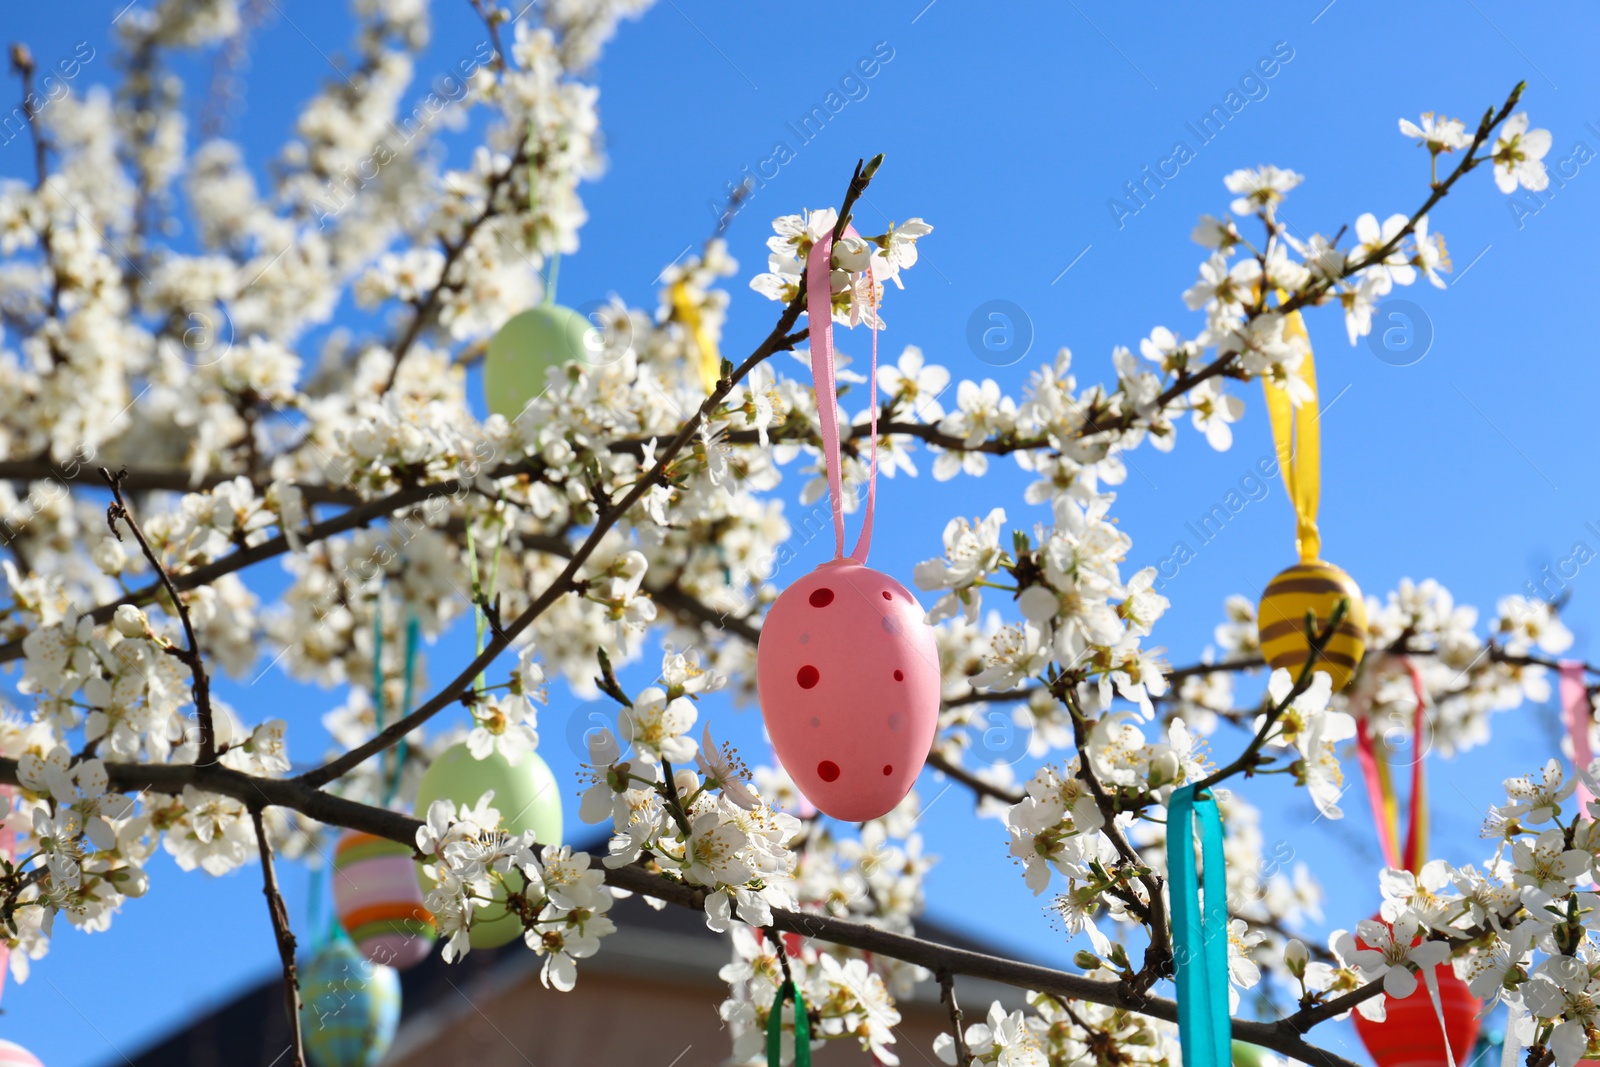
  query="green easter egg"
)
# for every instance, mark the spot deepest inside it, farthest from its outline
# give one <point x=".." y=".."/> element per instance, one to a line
<point x="525" y="795"/>
<point x="525" y="348"/>
<point x="1245" y="1055"/>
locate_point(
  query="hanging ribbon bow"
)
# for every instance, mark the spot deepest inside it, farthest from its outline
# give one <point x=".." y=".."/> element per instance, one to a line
<point x="802" y="1028"/>
<point x="1299" y="444"/>
<point x="819" y="313"/>
<point x="708" y="360"/>
<point x="1199" y="931"/>
<point x="1578" y="713"/>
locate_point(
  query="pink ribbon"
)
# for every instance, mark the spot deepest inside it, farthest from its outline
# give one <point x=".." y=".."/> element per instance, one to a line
<point x="819" y="312"/>
<point x="1578" y="714"/>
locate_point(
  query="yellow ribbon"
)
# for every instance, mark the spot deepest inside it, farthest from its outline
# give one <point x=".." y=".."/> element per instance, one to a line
<point x="1299" y="443"/>
<point x="1391" y="803"/>
<point x="1419" y="815"/>
<point x="686" y="311"/>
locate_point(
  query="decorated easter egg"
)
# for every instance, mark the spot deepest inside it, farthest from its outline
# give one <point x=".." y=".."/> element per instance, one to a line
<point x="1316" y="587"/>
<point x="378" y="901"/>
<point x="848" y="676"/>
<point x="1410" y="1036"/>
<point x="1246" y="1055"/>
<point x="349" y="1007"/>
<point x="525" y="348"/>
<point x="14" y="1055"/>
<point x="525" y="795"/>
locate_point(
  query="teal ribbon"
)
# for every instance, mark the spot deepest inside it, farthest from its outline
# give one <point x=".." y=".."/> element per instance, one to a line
<point x="1199" y="931"/>
<point x="802" y="1028"/>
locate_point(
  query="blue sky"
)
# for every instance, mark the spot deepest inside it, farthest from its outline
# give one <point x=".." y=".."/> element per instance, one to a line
<point x="1012" y="135"/>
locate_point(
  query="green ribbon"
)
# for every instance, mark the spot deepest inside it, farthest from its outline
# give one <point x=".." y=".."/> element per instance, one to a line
<point x="802" y="1028"/>
<point x="1199" y="931"/>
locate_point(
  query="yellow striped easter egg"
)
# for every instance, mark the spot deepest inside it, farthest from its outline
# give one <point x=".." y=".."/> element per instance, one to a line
<point x="1315" y="587"/>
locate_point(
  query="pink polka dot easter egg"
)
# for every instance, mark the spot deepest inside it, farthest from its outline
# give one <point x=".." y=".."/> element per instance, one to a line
<point x="848" y="676"/>
<point x="14" y="1055"/>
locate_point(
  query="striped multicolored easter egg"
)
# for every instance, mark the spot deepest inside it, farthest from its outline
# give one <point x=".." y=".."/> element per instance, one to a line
<point x="14" y="1055"/>
<point x="1315" y="587"/>
<point x="349" y="1007"/>
<point x="378" y="901"/>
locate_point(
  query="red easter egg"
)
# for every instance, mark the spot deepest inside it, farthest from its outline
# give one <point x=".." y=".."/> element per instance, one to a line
<point x="848" y="676"/>
<point x="1409" y="1035"/>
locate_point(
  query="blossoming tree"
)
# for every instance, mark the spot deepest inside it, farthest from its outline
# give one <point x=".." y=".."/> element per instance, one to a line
<point x="149" y="463"/>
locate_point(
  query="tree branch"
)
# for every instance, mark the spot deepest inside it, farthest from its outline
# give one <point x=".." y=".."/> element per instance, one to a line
<point x="23" y="66"/>
<point x="1158" y="957"/>
<point x="1180" y="674"/>
<point x="191" y="657"/>
<point x="1318" y="290"/>
<point x="425" y="308"/>
<point x="335" y="810"/>
<point x="972" y="781"/>
<point x="1247" y="761"/>
<point x="285" y="936"/>
<point x="947" y="994"/>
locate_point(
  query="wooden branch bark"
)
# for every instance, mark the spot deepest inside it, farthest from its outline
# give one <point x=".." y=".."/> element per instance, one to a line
<point x="285" y="935"/>
<point x="958" y="1031"/>
<point x="200" y="681"/>
<point x="1284" y="1035"/>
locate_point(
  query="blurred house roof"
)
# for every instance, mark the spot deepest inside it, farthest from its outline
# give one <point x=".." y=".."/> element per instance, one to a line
<point x="654" y="984"/>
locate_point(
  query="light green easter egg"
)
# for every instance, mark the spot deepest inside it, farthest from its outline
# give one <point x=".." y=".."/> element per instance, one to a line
<point x="525" y="348"/>
<point x="1246" y="1055"/>
<point x="526" y="797"/>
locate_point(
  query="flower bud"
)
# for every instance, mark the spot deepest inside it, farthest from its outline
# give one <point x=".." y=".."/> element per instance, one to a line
<point x="129" y="881"/>
<point x="110" y="557"/>
<point x="130" y="621"/>
<point x="1164" y="769"/>
<point x="1295" y="957"/>
<point x="1087" y="960"/>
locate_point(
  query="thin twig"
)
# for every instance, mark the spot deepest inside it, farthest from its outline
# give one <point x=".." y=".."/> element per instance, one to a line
<point x="947" y="994"/>
<point x="22" y="64"/>
<point x="1318" y="290"/>
<point x="1306" y="1018"/>
<point x="1247" y="760"/>
<point x="972" y="781"/>
<point x="285" y="935"/>
<point x="200" y="682"/>
<point x="424" y="308"/>
<point x="1194" y="670"/>
<point x="1153" y="913"/>
<point x="782" y="950"/>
